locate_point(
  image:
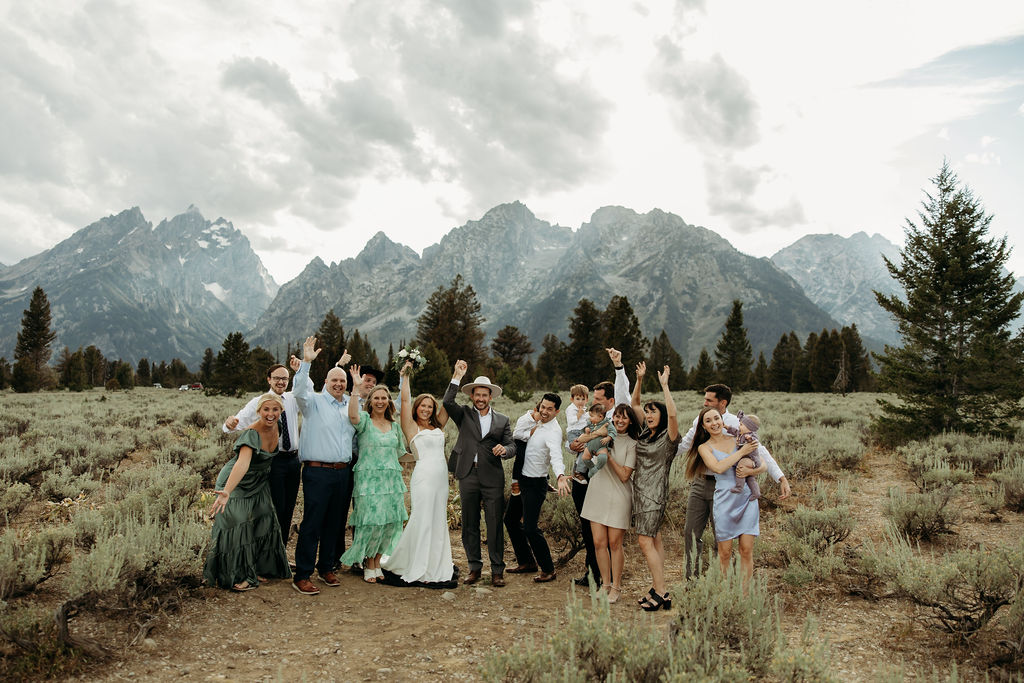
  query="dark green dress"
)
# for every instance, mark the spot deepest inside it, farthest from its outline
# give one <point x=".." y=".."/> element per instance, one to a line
<point x="245" y="542"/>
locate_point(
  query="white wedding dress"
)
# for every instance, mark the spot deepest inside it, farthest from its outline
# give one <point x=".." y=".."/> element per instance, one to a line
<point x="424" y="552"/>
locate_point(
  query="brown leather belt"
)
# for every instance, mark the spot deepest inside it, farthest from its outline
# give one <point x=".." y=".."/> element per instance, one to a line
<point x="329" y="465"/>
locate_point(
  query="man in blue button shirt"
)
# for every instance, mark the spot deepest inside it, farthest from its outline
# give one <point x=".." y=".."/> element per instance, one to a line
<point x="325" y="449"/>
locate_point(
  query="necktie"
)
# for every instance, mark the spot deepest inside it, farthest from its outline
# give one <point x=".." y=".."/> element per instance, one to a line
<point x="286" y="439"/>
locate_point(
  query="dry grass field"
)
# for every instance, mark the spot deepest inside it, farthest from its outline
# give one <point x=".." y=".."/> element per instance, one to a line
<point x="884" y="565"/>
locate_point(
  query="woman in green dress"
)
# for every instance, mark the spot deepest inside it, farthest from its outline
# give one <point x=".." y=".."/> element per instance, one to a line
<point x="379" y="492"/>
<point x="245" y="543"/>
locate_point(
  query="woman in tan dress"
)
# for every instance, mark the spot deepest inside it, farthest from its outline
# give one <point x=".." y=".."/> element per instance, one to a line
<point x="609" y="501"/>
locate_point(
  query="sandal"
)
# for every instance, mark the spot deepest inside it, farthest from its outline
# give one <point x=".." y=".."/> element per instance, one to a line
<point x="646" y="596"/>
<point x="613" y="595"/>
<point x="370" y="575"/>
<point x="656" y="602"/>
<point x="244" y="586"/>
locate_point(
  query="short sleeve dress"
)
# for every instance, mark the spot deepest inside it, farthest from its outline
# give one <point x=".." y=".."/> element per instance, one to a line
<point x="245" y="542"/>
<point x="735" y="514"/>
<point x="378" y="496"/>
<point x="650" y="481"/>
<point x="609" y="500"/>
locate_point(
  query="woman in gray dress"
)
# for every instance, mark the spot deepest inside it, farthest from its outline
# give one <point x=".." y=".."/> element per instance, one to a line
<point x="655" y="452"/>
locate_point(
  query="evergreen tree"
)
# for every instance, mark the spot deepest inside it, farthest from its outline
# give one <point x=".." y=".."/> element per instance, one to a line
<point x="760" y="378"/>
<point x="704" y="373"/>
<point x="391" y="376"/>
<point x="178" y="372"/>
<point x="77" y="378"/>
<point x="622" y="332"/>
<point x="662" y="354"/>
<point x="511" y="346"/>
<point x="125" y="375"/>
<point x="95" y="366"/>
<point x="232" y="368"/>
<point x="259" y="360"/>
<point x="733" y="353"/>
<point x="452" y="322"/>
<point x="801" y="380"/>
<point x="857" y="360"/>
<point x="32" y="350"/>
<point x="143" y="373"/>
<point x="206" y="367"/>
<point x="959" y="368"/>
<point x="331" y="338"/>
<point x="63" y="367"/>
<point x="583" y="357"/>
<point x="361" y="351"/>
<point x="434" y="377"/>
<point x="5" y="372"/>
<point x="823" y="361"/>
<point x="780" y="370"/>
<point x="551" y="361"/>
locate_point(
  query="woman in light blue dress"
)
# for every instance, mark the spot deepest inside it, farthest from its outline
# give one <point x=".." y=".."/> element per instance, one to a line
<point x="736" y="516"/>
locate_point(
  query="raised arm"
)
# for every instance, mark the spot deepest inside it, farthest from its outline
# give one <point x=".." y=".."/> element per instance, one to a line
<point x="409" y="426"/>
<point x="641" y="370"/>
<point x="302" y="385"/>
<point x="353" y="400"/>
<point x="450" y="406"/>
<point x="246" y="416"/>
<point x="670" y="405"/>
<point x="621" y="381"/>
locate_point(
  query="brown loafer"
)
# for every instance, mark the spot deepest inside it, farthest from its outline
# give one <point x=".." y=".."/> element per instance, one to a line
<point x="498" y="580"/>
<point x="544" y="577"/>
<point x="472" y="577"/>
<point x="523" y="569"/>
<point x="331" y="579"/>
<point x="305" y="586"/>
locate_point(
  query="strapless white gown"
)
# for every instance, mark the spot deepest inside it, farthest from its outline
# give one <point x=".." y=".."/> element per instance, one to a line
<point x="424" y="552"/>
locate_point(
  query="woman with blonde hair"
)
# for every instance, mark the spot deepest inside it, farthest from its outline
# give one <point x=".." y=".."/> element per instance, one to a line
<point x="424" y="552"/>
<point x="245" y="542"/>
<point x="379" y="492"/>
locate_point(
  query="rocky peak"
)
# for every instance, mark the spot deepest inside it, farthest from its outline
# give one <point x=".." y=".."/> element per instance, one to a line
<point x="381" y="250"/>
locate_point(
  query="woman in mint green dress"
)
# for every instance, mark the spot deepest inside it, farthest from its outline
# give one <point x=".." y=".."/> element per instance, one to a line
<point x="379" y="492"/>
<point x="245" y="542"/>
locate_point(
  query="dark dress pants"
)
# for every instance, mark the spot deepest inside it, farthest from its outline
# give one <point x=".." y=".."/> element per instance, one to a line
<point x="322" y="490"/>
<point x="346" y="504"/>
<point x="699" y="511"/>
<point x="514" y="526"/>
<point x="472" y="494"/>
<point x="534" y="490"/>
<point x="579" y="494"/>
<point x="285" y="475"/>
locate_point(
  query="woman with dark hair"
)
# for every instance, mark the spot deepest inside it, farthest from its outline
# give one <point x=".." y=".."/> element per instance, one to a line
<point x="379" y="492"/>
<point x="655" y="451"/>
<point x="609" y="500"/>
<point x="736" y="516"/>
<point x="424" y="552"/>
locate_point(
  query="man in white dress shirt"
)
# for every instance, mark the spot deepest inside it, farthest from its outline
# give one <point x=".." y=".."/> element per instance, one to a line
<point x="285" y="469"/>
<point x="700" y="503"/>
<point x="543" y="436"/>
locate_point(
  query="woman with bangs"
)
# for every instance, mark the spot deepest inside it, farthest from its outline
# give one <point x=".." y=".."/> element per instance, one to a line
<point x="423" y="555"/>
<point x="736" y="516"/>
<point x="379" y="492"/>
<point x="655" y="451"/>
<point x="609" y="502"/>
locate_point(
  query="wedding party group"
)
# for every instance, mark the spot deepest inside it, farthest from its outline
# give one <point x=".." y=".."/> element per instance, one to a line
<point x="354" y="438"/>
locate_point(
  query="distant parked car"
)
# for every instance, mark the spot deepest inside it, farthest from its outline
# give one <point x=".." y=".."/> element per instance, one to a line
<point x="183" y="387"/>
<point x="157" y="385"/>
<point x="196" y="386"/>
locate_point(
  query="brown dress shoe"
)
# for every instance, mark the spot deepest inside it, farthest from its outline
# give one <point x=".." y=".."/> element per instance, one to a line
<point x="523" y="569"/>
<point x="471" y="577"/>
<point x="305" y="586"/>
<point x="498" y="580"/>
<point x="331" y="579"/>
<point x="544" y="577"/>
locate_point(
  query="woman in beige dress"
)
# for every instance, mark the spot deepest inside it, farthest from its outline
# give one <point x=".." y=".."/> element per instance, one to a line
<point x="609" y="501"/>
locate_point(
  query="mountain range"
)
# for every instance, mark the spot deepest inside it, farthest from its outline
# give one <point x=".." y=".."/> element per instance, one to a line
<point x="135" y="290"/>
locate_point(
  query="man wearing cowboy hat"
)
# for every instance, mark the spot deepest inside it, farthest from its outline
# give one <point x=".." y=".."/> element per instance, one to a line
<point x="485" y="438"/>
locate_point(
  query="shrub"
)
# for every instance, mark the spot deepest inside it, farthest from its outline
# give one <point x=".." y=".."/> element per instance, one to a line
<point x="809" y="662"/>
<point x="13" y="497"/>
<point x="42" y="656"/>
<point x="930" y="470"/>
<point x="923" y="516"/>
<point x="990" y="500"/>
<point x="61" y="482"/>
<point x="24" y="563"/>
<point x="1011" y="478"/>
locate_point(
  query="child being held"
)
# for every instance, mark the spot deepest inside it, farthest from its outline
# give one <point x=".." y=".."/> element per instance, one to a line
<point x="576" y="412"/>
<point x="600" y="431"/>
<point x="747" y="433"/>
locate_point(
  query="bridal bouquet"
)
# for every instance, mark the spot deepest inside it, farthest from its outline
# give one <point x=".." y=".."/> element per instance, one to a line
<point x="417" y="359"/>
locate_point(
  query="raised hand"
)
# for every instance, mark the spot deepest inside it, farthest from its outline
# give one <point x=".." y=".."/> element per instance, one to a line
<point x="357" y="379"/>
<point x="663" y="377"/>
<point x="231" y="422"/>
<point x="406" y="367"/>
<point x="309" y="350"/>
<point x="345" y="358"/>
<point x="641" y="370"/>
<point x="460" y="370"/>
<point x="616" y="356"/>
<point x="295" y="363"/>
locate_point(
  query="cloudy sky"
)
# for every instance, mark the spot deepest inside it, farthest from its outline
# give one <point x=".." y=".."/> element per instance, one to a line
<point x="312" y="125"/>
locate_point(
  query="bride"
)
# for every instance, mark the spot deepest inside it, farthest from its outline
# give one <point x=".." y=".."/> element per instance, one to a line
<point x="424" y="552"/>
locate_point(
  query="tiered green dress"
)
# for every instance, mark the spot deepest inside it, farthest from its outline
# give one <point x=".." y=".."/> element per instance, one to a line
<point x="245" y="542"/>
<point x="379" y="492"/>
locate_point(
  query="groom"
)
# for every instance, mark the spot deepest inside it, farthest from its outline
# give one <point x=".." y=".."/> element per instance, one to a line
<point x="485" y="437"/>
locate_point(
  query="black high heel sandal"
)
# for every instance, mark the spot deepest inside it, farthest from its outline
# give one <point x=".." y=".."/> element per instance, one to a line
<point x="646" y="597"/>
<point x="656" y="602"/>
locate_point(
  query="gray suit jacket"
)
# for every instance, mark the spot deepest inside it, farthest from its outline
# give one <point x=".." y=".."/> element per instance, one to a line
<point x="472" y="443"/>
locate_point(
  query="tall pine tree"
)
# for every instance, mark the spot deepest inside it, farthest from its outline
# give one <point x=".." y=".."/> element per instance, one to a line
<point x="784" y="357"/>
<point x="331" y="339"/>
<point x="704" y="373"/>
<point x="733" y="353"/>
<point x="32" y="350"/>
<point x="583" y="356"/>
<point x="511" y="346"/>
<point x="959" y="368"/>
<point x="451" y="321"/>
<point x="622" y="332"/>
